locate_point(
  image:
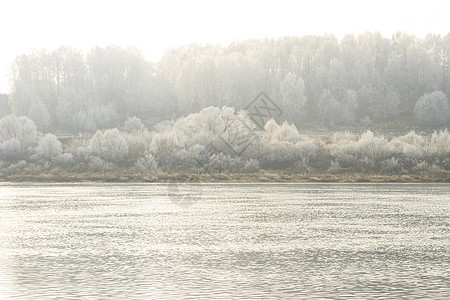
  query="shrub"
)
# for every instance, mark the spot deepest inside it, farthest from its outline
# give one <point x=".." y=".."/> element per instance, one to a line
<point x="10" y="150"/>
<point x="364" y="153"/>
<point x="48" y="147"/>
<point x="147" y="164"/>
<point x="109" y="146"/>
<point x="440" y="143"/>
<point x="411" y="145"/>
<point x="18" y="136"/>
<point x="49" y="150"/>
<point x="251" y="166"/>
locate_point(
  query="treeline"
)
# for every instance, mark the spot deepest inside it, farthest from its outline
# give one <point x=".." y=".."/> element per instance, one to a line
<point x="218" y="141"/>
<point x="67" y="91"/>
<point x="315" y="80"/>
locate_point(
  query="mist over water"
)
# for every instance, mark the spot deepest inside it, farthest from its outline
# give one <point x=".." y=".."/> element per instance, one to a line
<point x="259" y="241"/>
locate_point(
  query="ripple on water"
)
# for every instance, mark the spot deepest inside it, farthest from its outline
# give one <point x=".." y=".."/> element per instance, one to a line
<point x="288" y="241"/>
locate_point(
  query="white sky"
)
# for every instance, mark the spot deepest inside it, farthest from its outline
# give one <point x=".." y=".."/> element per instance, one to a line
<point x="154" y="26"/>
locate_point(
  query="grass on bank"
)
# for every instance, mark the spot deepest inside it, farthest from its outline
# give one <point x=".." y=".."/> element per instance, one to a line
<point x="126" y="175"/>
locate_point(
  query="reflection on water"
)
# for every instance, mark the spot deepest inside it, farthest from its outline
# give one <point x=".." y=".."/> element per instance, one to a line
<point x="299" y="241"/>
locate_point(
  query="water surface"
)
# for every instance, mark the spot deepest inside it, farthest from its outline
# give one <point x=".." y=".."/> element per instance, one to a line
<point x="258" y="241"/>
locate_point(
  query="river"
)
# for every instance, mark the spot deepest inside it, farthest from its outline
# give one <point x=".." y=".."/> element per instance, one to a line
<point x="222" y="241"/>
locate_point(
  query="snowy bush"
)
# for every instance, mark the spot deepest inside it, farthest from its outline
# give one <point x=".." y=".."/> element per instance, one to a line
<point x="373" y="146"/>
<point x="284" y="133"/>
<point x="365" y="151"/>
<point x="335" y="167"/>
<point x="282" y="145"/>
<point x="306" y="150"/>
<point x="138" y="143"/>
<point x="422" y="167"/>
<point x="164" y="147"/>
<point x="15" y="168"/>
<point x="251" y="166"/>
<point x="48" y="147"/>
<point x="301" y="167"/>
<point x="209" y="124"/>
<point x="97" y="164"/>
<point x="109" y="146"/>
<point x="63" y="160"/>
<point x="49" y="150"/>
<point x="221" y="162"/>
<point x="221" y="140"/>
<point x="18" y="135"/>
<point x="147" y="164"/>
<point x="10" y="150"/>
<point x="411" y="145"/>
<point x="440" y="143"/>
<point x="366" y="164"/>
<point x="392" y="165"/>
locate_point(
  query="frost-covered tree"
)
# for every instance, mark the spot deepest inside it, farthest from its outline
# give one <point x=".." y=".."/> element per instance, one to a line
<point x="71" y="103"/>
<point x="39" y="114"/>
<point x="49" y="149"/>
<point x="283" y="145"/>
<point x="388" y="75"/>
<point x="327" y="106"/>
<point x="332" y="112"/>
<point x="292" y="90"/>
<point x="10" y="150"/>
<point x="108" y="146"/>
<point x="433" y="109"/>
<point x="440" y="144"/>
<point x="17" y="137"/>
<point x="388" y="106"/>
<point x="147" y="164"/>
<point x="96" y="117"/>
<point x="411" y="145"/>
<point x="348" y="108"/>
<point x="46" y="76"/>
<point x="138" y="142"/>
<point x="5" y="109"/>
<point x="363" y="152"/>
<point x="133" y="124"/>
<point x="165" y="146"/>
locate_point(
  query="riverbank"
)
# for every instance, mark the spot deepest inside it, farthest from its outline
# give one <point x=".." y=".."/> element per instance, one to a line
<point x="118" y="176"/>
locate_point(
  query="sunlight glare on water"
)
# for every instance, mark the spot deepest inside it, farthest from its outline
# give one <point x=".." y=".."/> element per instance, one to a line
<point x="221" y="241"/>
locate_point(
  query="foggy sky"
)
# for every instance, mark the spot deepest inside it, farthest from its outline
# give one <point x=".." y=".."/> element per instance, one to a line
<point x="154" y="27"/>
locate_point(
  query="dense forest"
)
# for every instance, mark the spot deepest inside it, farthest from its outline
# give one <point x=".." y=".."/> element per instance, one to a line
<point x="315" y="80"/>
<point x="192" y="110"/>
